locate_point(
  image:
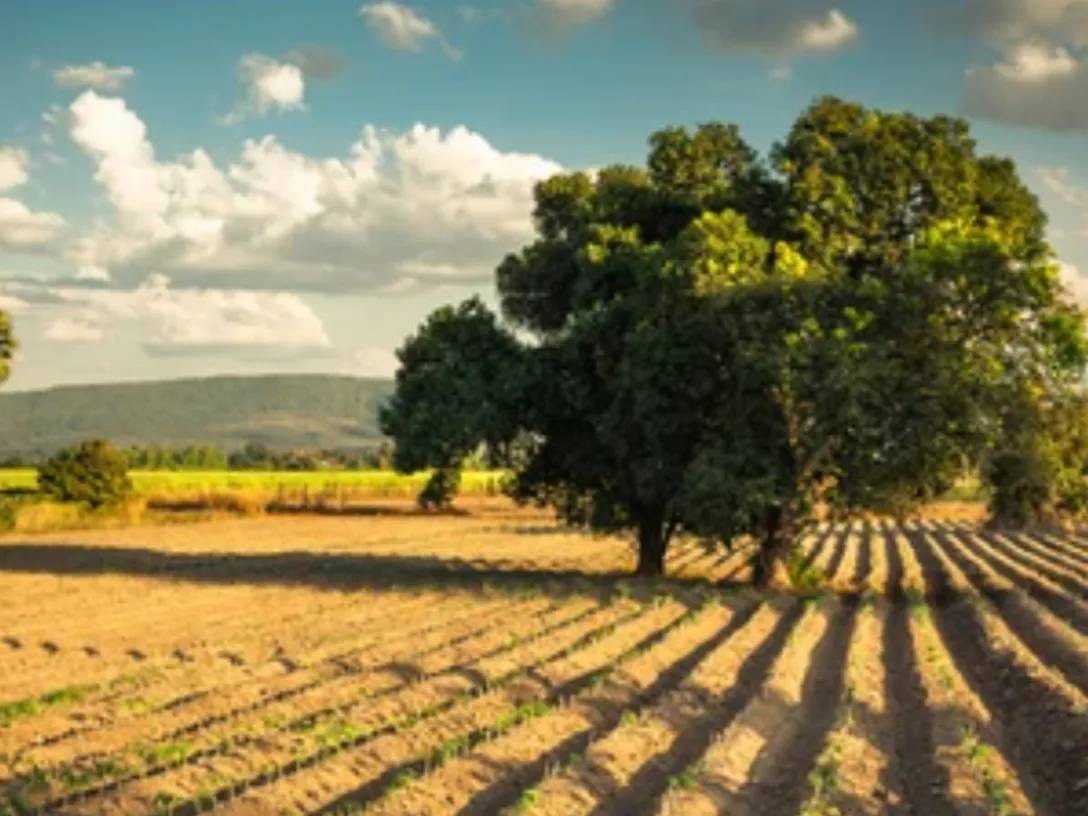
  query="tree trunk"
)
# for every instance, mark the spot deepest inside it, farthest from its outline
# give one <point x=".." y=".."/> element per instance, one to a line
<point x="652" y="543"/>
<point x="778" y="539"/>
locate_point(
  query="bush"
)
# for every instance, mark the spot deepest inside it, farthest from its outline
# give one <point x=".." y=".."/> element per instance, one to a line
<point x="94" y="472"/>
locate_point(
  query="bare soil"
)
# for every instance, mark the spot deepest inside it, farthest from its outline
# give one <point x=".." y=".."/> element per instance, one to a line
<point x="493" y="662"/>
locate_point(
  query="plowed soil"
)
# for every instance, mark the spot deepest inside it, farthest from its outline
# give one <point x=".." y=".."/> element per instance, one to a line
<point x="495" y="663"/>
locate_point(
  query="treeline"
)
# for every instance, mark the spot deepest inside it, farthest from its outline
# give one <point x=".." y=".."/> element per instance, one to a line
<point x="253" y="456"/>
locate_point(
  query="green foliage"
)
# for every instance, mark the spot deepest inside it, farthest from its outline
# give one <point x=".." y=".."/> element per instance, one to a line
<point x="95" y="473"/>
<point x="454" y="394"/>
<point x="7" y="345"/>
<point x="1040" y="474"/>
<point x="719" y="343"/>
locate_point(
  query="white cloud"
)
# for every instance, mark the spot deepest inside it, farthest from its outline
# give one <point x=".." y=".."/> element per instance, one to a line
<point x="774" y="28"/>
<point x="1036" y="85"/>
<point x="13" y="164"/>
<point x="1074" y="281"/>
<point x="403" y="28"/>
<point x="173" y="321"/>
<point x="271" y="85"/>
<point x="13" y="304"/>
<point x="1060" y="182"/>
<point x="77" y="328"/>
<point x="1017" y="21"/>
<point x="371" y="362"/>
<point x="20" y="227"/>
<point x="93" y="75"/>
<point x="564" y="15"/>
<point x="401" y="211"/>
<point x="1040" y="76"/>
<point x="828" y="34"/>
<point x="1036" y="62"/>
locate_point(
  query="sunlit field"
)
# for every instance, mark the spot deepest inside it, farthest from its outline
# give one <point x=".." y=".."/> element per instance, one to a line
<point x="497" y="663"/>
<point x="374" y="482"/>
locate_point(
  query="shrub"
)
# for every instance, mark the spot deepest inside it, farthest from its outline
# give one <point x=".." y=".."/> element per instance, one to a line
<point x="94" y="472"/>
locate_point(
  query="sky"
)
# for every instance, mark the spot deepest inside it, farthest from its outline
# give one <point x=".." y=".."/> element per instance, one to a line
<point x="204" y="187"/>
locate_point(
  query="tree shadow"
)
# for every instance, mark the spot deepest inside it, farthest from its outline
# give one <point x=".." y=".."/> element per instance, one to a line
<point x="330" y="571"/>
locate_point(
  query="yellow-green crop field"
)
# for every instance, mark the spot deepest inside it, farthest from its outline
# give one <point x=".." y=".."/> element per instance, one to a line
<point x="358" y="482"/>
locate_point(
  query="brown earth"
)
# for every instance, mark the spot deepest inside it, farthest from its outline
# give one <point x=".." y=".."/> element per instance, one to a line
<point x="493" y="662"/>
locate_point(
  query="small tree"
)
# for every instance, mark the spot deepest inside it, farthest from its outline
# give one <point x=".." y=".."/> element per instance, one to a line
<point x="7" y="346"/>
<point x="94" y="472"/>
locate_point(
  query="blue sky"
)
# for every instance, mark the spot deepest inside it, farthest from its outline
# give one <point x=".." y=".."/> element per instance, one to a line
<point x="206" y="187"/>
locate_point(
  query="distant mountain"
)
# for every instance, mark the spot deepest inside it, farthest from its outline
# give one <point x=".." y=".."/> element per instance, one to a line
<point x="280" y="411"/>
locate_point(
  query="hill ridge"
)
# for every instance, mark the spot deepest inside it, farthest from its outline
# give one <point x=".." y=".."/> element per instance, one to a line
<point x="279" y="410"/>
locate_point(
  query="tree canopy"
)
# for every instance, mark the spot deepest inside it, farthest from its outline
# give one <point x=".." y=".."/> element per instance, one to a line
<point x="718" y="342"/>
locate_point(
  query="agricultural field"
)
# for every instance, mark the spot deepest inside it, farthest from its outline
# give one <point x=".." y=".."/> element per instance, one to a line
<point x="496" y="663"/>
<point x="358" y="482"/>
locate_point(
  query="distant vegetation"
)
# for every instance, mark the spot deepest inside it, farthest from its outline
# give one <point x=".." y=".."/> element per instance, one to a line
<point x="281" y="413"/>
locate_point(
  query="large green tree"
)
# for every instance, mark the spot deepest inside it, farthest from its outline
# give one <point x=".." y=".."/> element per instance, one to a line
<point x="718" y="343"/>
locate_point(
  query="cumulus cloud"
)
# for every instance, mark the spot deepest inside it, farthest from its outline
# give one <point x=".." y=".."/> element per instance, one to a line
<point x="13" y="164"/>
<point x="399" y="212"/>
<point x="93" y="75"/>
<point x="270" y="84"/>
<point x="1074" y="281"/>
<point x="565" y="15"/>
<point x="403" y="28"/>
<point x="20" y="227"/>
<point x="1040" y="76"/>
<point x="174" y="321"/>
<point x="1018" y="21"/>
<point x="774" y="28"/>
<point x="1060" y="182"/>
<point x="1035" y="85"/>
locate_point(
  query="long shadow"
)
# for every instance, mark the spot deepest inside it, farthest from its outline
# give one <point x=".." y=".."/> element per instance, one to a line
<point x="1022" y="620"/>
<point x="1061" y="603"/>
<point x="332" y="571"/>
<point x="837" y="555"/>
<point x="651" y="780"/>
<point x="1047" y="739"/>
<point x="1052" y="572"/>
<point x="505" y="792"/>
<point x="921" y="777"/>
<point x="893" y="581"/>
<point x="864" y="563"/>
<point x="786" y="783"/>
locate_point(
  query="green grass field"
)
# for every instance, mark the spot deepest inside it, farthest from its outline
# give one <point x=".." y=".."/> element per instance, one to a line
<point x="361" y="482"/>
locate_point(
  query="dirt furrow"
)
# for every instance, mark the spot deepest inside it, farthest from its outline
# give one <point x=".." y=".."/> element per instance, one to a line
<point x="857" y="771"/>
<point x="134" y="716"/>
<point x="625" y="767"/>
<point x="377" y="766"/>
<point x="1049" y="550"/>
<point x="732" y="774"/>
<point x="497" y="774"/>
<point x="980" y="781"/>
<point x="1041" y="631"/>
<point x="1042" y="722"/>
<point x="1025" y="559"/>
<point x="1037" y="585"/>
<point x="197" y="742"/>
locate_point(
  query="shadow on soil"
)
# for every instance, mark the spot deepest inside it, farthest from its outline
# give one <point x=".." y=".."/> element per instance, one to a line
<point x="337" y="572"/>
